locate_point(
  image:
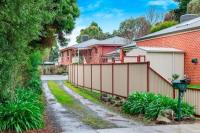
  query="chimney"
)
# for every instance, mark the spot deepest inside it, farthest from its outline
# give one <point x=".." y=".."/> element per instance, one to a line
<point x="188" y="17"/>
<point x="84" y="38"/>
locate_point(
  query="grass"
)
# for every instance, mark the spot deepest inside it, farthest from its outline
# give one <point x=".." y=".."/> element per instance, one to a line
<point x="194" y="86"/>
<point x="90" y="95"/>
<point x="94" y="96"/>
<point x="82" y="112"/>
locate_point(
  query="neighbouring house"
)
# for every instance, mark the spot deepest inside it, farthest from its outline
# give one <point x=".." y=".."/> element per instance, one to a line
<point x="91" y="51"/>
<point x="184" y="36"/>
<point x="166" y="61"/>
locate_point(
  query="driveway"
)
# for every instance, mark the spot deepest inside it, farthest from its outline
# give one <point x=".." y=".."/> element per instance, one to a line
<point x="70" y="124"/>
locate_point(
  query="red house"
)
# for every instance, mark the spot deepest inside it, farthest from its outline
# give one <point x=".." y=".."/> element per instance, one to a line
<point x="184" y="36"/>
<point x="91" y="51"/>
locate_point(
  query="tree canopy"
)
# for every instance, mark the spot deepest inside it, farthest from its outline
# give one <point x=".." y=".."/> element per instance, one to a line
<point x="194" y="7"/>
<point x="93" y="31"/>
<point x="24" y="25"/>
<point x="181" y="10"/>
<point x="133" y="28"/>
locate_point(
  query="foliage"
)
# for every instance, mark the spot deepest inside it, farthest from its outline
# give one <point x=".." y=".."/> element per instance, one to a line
<point x="18" y="27"/>
<point x="24" y="26"/>
<point x="54" y="54"/>
<point x="194" y="86"/>
<point x="194" y="7"/>
<point x="133" y="28"/>
<point x="150" y="105"/>
<point x="34" y="81"/>
<point x="175" y="77"/>
<point x="24" y="113"/>
<point x="163" y="25"/>
<point x="93" y="32"/>
<point x="181" y="10"/>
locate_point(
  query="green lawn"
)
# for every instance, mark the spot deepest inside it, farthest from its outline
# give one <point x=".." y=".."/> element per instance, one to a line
<point x="194" y="86"/>
<point x="86" y="93"/>
<point x="82" y="112"/>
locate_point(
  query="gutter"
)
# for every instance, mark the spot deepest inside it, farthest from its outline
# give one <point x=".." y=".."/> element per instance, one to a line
<point x="153" y="36"/>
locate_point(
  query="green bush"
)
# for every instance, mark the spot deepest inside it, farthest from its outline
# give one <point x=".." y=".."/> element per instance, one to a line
<point x="162" y="26"/>
<point x="150" y="105"/>
<point x="34" y="81"/>
<point x="24" y="113"/>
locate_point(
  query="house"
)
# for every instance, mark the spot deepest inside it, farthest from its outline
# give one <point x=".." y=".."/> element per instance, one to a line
<point x="91" y="51"/>
<point x="184" y="36"/>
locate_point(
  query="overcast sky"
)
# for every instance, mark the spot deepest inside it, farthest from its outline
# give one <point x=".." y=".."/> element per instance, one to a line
<point x="109" y="13"/>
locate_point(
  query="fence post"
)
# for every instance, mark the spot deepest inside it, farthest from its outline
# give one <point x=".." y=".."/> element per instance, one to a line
<point x="148" y="67"/>
<point x="83" y="76"/>
<point x="72" y="73"/>
<point x="174" y="94"/>
<point x="112" y="79"/>
<point x="127" y="79"/>
<point x="101" y="78"/>
<point x="77" y="74"/>
<point x="91" y="77"/>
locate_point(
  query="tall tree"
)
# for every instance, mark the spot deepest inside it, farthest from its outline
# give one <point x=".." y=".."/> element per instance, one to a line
<point x="133" y="28"/>
<point x="93" y="31"/>
<point x="154" y="16"/>
<point x="25" y="23"/>
<point x="182" y="8"/>
<point x="194" y="7"/>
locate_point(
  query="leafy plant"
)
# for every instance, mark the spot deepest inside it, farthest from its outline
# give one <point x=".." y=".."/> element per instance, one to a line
<point x="150" y="105"/>
<point x="24" y="113"/>
<point x="162" y="26"/>
<point x="175" y="77"/>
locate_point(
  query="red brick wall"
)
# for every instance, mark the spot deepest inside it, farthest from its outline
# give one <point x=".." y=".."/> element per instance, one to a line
<point x="189" y="42"/>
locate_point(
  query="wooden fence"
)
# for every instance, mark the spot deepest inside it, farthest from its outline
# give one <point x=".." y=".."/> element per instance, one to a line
<point x="126" y="78"/>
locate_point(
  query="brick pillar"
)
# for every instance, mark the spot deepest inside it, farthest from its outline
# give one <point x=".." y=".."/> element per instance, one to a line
<point x="122" y="55"/>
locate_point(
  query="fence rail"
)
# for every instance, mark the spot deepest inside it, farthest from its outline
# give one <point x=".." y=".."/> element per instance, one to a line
<point x="126" y="78"/>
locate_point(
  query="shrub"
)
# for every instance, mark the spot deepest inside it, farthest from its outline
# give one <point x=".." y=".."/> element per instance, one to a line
<point x="34" y="81"/>
<point x="162" y="26"/>
<point x="150" y="105"/>
<point x="24" y="113"/>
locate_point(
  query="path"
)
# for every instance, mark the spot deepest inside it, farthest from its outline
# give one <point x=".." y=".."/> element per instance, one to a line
<point x="70" y="124"/>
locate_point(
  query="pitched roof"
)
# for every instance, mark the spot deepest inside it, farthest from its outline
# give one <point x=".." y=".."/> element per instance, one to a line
<point x="120" y="41"/>
<point x="160" y="49"/>
<point x="86" y="44"/>
<point x="185" y="26"/>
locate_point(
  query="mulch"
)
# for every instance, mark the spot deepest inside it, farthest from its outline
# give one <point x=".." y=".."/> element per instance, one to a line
<point x="50" y="126"/>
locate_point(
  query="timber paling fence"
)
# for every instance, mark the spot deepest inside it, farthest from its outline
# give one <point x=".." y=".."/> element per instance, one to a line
<point x="124" y="79"/>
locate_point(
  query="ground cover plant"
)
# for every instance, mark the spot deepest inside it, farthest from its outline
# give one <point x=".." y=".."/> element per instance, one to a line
<point x="150" y="105"/>
<point x="83" y="113"/>
<point x="22" y="114"/>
